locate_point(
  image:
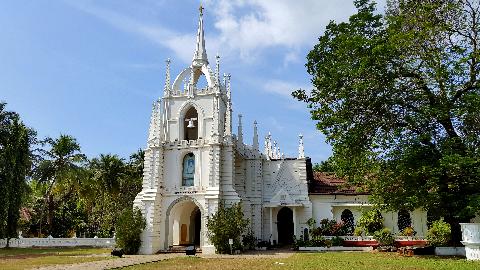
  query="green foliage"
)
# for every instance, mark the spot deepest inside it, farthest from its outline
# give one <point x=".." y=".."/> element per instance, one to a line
<point x="226" y="223"/>
<point x="128" y="229"/>
<point x="60" y="172"/>
<point x="337" y="241"/>
<point x="326" y="166"/>
<point x="359" y="231"/>
<point x="397" y="95"/>
<point x="370" y="221"/>
<point x="249" y="240"/>
<point x="384" y="237"/>
<point x="439" y="233"/>
<point x="311" y="222"/>
<point x="70" y="195"/>
<point x="16" y="157"/>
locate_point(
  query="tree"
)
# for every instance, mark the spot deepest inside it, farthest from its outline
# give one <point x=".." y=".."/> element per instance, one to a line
<point x="110" y="187"/>
<point x="61" y="171"/>
<point x="227" y="223"/>
<point x="16" y="156"/>
<point x="326" y="166"/>
<point x="129" y="227"/>
<point x="397" y="96"/>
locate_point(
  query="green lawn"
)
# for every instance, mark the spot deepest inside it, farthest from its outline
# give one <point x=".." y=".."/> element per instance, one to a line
<point x="331" y="261"/>
<point x="25" y="258"/>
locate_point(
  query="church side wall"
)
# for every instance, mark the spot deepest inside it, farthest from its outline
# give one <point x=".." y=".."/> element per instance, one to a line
<point x="332" y="206"/>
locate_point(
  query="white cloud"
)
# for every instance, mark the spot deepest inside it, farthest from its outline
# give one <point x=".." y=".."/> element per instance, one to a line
<point x="245" y="27"/>
<point x="249" y="25"/>
<point x="282" y="88"/>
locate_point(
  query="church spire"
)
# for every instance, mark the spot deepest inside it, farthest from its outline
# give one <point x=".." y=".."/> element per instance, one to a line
<point x="200" y="56"/>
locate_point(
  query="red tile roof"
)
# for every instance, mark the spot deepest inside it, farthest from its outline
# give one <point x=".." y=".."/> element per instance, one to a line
<point x="325" y="183"/>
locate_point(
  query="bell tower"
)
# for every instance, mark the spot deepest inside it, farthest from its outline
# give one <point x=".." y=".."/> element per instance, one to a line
<point x="189" y="160"/>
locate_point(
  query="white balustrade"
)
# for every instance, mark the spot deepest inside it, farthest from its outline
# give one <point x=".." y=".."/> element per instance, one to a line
<point x="58" y="242"/>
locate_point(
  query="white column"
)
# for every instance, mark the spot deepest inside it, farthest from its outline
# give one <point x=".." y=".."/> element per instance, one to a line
<point x="294" y="221"/>
<point x="271" y="221"/>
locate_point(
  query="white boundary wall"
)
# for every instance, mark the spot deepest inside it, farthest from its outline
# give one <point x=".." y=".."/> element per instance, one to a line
<point x="58" y="242"/>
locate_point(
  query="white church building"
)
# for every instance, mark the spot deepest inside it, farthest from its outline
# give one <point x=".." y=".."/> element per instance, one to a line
<point x="194" y="161"/>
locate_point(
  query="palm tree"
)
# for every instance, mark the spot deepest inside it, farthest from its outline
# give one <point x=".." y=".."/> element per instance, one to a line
<point x="59" y="170"/>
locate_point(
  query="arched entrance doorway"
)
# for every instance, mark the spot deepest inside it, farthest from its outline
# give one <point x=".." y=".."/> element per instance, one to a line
<point x="285" y="226"/>
<point x="184" y="224"/>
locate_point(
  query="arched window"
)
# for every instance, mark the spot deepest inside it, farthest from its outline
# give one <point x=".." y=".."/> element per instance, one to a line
<point x="348" y="221"/>
<point x="190" y="125"/>
<point x="404" y="220"/>
<point x="188" y="170"/>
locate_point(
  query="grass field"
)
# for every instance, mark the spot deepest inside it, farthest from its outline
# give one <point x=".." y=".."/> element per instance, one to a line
<point x="330" y="261"/>
<point x="25" y="258"/>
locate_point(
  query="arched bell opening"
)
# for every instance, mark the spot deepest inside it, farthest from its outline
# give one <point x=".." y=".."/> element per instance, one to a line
<point x="200" y="80"/>
<point x="190" y="125"/>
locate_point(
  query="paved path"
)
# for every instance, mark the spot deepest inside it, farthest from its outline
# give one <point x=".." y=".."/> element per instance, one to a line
<point x="130" y="260"/>
<point x="127" y="260"/>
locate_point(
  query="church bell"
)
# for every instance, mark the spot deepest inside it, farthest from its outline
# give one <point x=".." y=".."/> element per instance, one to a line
<point x="190" y="123"/>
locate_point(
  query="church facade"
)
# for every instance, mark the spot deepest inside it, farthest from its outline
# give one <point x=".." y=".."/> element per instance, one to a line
<point x="194" y="162"/>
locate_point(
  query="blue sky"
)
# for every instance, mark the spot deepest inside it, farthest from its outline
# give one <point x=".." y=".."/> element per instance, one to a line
<point x="92" y="69"/>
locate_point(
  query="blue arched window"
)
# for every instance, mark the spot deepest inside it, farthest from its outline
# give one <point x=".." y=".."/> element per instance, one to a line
<point x="188" y="170"/>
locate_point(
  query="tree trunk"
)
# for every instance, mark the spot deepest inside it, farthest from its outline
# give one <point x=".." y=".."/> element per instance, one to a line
<point x="50" y="213"/>
<point x="456" y="236"/>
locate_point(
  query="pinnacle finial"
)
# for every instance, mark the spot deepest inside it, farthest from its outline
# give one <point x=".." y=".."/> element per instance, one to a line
<point x="200" y="56"/>
<point x="301" y="148"/>
<point x="240" y="129"/>
<point x="217" y="69"/>
<point x="167" y="78"/>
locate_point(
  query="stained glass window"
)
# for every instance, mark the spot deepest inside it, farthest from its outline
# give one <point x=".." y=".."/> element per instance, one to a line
<point x="188" y="170"/>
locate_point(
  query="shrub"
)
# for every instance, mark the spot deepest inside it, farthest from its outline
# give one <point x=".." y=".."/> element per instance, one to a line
<point x="317" y="241"/>
<point x="384" y="237"/>
<point x="358" y="231"/>
<point x="439" y="233"/>
<point x="337" y="241"/>
<point x="248" y="240"/>
<point x="226" y="223"/>
<point x="328" y="227"/>
<point x="128" y="229"/>
<point x="371" y="221"/>
<point x="311" y="222"/>
<point x="298" y="243"/>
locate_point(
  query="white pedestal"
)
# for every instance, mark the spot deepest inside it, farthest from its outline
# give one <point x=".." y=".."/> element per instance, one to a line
<point x="471" y="240"/>
<point x="208" y="249"/>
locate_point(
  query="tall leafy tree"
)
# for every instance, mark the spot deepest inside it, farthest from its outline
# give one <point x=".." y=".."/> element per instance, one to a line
<point x="16" y="142"/>
<point x="60" y="170"/>
<point x="398" y="97"/>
